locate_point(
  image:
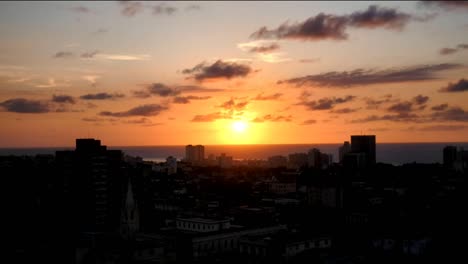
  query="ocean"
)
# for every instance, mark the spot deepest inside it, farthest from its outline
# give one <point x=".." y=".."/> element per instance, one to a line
<point x="393" y="153"/>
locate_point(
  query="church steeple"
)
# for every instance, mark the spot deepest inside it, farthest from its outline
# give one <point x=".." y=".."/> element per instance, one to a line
<point x="130" y="222"/>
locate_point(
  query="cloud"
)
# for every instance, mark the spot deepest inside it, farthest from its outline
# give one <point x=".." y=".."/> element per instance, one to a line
<point x="272" y="118"/>
<point x="162" y="90"/>
<point x="101" y="96"/>
<point x="232" y="105"/>
<point x="261" y="97"/>
<point x="309" y="122"/>
<point x="441" y="128"/>
<point x="218" y="70"/>
<point x="369" y="77"/>
<point x="89" y="54"/>
<point x="123" y="57"/>
<point x="447" y="5"/>
<point x="51" y="82"/>
<point x="211" y="117"/>
<point x="451" y="114"/>
<point x="265" y="49"/>
<point x="402" y="107"/>
<point x="309" y="60"/>
<point x="63" y="99"/>
<point x="448" y="51"/>
<point x="186" y="99"/>
<point x="198" y="89"/>
<point x="273" y="57"/>
<point x="21" y="105"/>
<point x="460" y="86"/>
<point x="100" y="31"/>
<point x="400" y="117"/>
<point x="345" y="110"/>
<point x="131" y="8"/>
<point x="326" y="103"/>
<point x="375" y="17"/>
<point x="440" y="107"/>
<point x="326" y="26"/>
<point x="63" y="54"/>
<point x="420" y="99"/>
<point x="143" y="110"/>
<point x="162" y="8"/>
<point x="92" y="79"/>
<point x="375" y="103"/>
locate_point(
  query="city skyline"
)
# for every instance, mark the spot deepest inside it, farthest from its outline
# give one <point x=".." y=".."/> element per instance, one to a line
<point x="216" y="73"/>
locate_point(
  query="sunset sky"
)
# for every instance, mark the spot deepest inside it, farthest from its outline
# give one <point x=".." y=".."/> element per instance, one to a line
<point x="176" y="73"/>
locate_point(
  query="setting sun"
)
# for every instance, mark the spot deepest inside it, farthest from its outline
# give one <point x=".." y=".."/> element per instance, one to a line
<point x="239" y="126"/>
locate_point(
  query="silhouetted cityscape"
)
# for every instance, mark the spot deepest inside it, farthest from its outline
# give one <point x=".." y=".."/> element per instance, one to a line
<point x="95" y="205"/>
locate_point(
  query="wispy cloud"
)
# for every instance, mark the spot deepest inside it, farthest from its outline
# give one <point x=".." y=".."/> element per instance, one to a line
<point x="22" y="105"/>
<point x="309" y="122"/>
<point x="367" y="77"/>
<point x="143" y="110"/>
<point x="187" y="99"/>
<point x="92" y="79"/>
<point x="272" y="118"/>
<point x="211" y="117"/>
<point x="131" y="8"/>
<point x="102" y="96"/>
<point x="123" y="57"/>
<point x="63" y="54"/>
<point x="326" y="103"/>
<point x="63" y="99"/>
<point x="448" y="51"/>
<point x="164" y="9"/>
<point x="261" y="97"/>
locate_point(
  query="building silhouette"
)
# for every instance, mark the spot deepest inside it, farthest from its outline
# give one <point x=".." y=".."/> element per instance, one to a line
<point x="194" y="153"/>
<point x="364" y="144"/>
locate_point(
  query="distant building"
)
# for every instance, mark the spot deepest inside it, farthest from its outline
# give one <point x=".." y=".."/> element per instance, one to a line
<point x="283" y="183"/>
<point x="297" y="160"/>
<point x="202" y="224"/>
<point x="456" y="159"/>
<point x="364" y="144"/>
<point x="224" y="161"/>
<point x="450" y="156"/>
<point x="171" y="164"/>
<point x="130" y="220"/>
<point x="277" y="161"/>
<point x="343" y="150"/>
<point x="194" y="153"/>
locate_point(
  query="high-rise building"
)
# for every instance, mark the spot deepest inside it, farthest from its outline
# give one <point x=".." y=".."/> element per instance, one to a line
<point x="346" y="148"/>
<point x="93" y="182"/>
<point x="364" y="144"/>
<point x="194" y="153"/>
<point x="450" y="156"/>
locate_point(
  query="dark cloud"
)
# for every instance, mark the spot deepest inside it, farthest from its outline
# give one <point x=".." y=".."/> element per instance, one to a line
<point x="403" y="107"/>
<point x="261" y="97"/>
<point x="345" y="110"/>
<point x="80" y="9"/>
<point x="447" y="5"/>
<point x="451" y="114"/>
<point x="420" y="99"/>
<point x="89" y="54"/>
<point x="265" y="49"/>
<point x="131" y="8"/>
<point x="143" y="110"/>
<point x="441" y="128"/>
<point x="218" y="70"/>
<point x="319" y="27"/>
<point x="459" y="47"/>
<point x="186" y="99"/>
<point x="401" y="117"/>
<point x="198" y="89"/>
<point x="96" y="119"/>
<point x="440" y="107"/>
<point x="21" y="105"/>
<point x="232" y="105"/>
<point x="460" y="86"/>
<point x="309" y="60"/>
<point x="326" y="103"/>
<point x="447" y="51"/>
<point x="368" y="77"/>
<point x="101" y="96"/>
<point x="63" y="54"/>
<point x="162" y="8"/>
<point x="376" y="16"/>
<point x="326" y="26"/>
<point x="63" y="99"/>
<point x="162" y="90"/>
<point x="272" y="118"/>
<point x="376" y="103"/>
<point x="211" y="117"/>
<point x="309" y="122"/>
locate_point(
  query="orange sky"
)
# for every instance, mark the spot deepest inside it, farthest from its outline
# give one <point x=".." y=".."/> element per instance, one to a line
<point x="163" y="73"/>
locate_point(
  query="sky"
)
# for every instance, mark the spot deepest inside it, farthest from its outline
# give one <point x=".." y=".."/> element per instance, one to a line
<point x="176" y="73"/>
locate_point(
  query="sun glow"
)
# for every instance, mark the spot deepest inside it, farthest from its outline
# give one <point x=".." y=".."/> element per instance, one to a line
<point x="239" y="126"/>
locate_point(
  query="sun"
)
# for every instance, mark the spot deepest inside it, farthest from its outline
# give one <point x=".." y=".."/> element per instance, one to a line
<point x="239" y="126"/>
